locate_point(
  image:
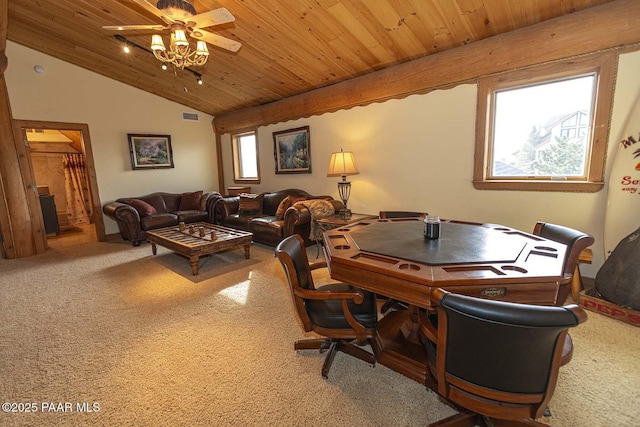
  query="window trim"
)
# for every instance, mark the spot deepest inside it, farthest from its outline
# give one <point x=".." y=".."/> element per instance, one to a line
<point x="235" y="160"/>
<point x="604" y="65"/>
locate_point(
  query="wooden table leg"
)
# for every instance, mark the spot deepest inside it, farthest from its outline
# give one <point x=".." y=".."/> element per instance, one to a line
<point x="194" y="264"/>
<point x="154" y="248"/>
<point x="247" y="251"/>
<point x="397" y="349"/>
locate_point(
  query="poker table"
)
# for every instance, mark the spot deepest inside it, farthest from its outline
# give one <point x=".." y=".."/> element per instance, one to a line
<point x="392" y="258"/>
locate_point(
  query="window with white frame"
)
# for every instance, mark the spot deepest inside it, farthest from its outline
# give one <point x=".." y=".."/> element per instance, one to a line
<point x="546" y="127"/>
<point x="245" y="157"/>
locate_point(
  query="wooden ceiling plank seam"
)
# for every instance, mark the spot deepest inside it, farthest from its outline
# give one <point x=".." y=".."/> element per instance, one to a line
<point x="344" y="46"/>
<point x="357" y="30"/>
<point x="268" y="44"/>
<point x="325" y="31"/>
<point x="292" y="24"/>
<point x="411" y="11"/>
<point x="374" y="21"/>
<point x="454" y="22"/>
<point x="474" y="18"/>
<point x="441" y="37"/>
<point x="500" y="16"/>
<point x="397" y="21"/>
<point x="304" y="21"/>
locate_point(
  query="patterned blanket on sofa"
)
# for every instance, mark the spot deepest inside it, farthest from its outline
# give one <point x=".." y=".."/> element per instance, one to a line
<point x="318" y="208"/>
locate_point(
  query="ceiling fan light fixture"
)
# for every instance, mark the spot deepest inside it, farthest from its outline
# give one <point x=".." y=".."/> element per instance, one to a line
<point x="180" y="38"/>
<point x="201" y="48"/>
<point x="157" y="43"/>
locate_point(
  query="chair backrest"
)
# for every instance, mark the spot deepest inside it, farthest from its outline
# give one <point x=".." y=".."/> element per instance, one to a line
<point x="293" y="257"/>
<point x="400" y="214"/>
<point x="497" y="358"/>
<point x="576" y="242"/>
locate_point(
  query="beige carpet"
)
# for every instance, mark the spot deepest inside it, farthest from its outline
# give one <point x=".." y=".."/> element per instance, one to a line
<point x="153" y="345"/>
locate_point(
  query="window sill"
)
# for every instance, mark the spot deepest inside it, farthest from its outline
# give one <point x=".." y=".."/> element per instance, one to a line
<point x="559" y="186"/>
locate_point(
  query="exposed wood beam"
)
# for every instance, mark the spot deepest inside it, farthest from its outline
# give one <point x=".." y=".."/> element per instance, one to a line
<point x="4" y="26"/>
<point x="75" y="137"/>
<point x="608" y="26"/>
<point x="20" y="238"/>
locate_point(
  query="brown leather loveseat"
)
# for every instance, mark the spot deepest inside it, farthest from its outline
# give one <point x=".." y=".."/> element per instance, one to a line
<point x="268" y="227"/>
<point x="136" y="215"/>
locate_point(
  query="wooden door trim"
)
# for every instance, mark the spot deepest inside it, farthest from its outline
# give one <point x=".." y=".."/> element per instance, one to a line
<point x="98" y="220"/>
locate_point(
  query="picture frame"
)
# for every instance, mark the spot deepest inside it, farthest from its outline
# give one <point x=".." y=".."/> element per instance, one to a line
<point x="150" y="151"/>
<point x="292" y="150"/>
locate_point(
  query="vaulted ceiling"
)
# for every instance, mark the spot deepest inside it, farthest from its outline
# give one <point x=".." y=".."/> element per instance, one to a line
<point x="289" y="47"/>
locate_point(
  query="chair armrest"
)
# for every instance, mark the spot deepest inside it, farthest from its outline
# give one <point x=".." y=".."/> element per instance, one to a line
<point x="577" y="311"/>
<point x="356" y="296"/>
<point x="427" y="329"/>
<point x="317" y="265"/>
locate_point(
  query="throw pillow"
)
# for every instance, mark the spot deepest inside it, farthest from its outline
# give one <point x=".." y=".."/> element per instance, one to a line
<point x="282" y="207"/>
<point x="143" y="208"/>
<point x="250" y="204"/>
<point x="190" y="201"/>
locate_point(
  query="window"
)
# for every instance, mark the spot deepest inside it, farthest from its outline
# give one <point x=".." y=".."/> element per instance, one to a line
<point x="245" y="157"/>
<point x="545" y="128"/>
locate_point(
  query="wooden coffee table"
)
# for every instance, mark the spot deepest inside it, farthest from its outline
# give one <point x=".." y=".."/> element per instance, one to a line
<point x="190" y="244"/>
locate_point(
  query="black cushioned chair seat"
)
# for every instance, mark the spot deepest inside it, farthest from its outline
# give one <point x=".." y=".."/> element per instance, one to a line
<point x="329" y="314"/>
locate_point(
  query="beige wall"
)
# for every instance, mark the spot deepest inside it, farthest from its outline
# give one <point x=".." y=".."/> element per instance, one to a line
<point x="66" y="93"/>
<point x="417" y="154"/>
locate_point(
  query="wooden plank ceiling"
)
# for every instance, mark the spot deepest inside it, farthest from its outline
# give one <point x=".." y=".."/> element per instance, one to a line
<point x="288" y="46"/>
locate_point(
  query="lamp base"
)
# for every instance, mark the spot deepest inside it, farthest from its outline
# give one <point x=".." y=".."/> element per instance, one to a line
<point x="345" y="213"/>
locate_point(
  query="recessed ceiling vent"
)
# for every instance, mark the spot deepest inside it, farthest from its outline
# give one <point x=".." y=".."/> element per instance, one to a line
<point x="190" y="116"/>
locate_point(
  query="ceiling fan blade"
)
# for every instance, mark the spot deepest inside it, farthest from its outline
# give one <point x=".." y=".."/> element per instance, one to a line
<point x="151" y="8"/>
<point x="211" y="18"/>
<point x="134" y="27"/>
<point x="216" y="40"/>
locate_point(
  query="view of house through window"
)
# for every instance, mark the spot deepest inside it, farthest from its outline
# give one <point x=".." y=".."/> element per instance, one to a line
<point x="543" y="129"/>
<point x="245" y="157"/>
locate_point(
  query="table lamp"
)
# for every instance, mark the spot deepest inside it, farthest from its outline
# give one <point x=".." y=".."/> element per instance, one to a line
<point x="343" y="164"/>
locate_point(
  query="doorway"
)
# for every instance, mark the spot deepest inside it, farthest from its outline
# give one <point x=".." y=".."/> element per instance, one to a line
<point x="62" y="167"/>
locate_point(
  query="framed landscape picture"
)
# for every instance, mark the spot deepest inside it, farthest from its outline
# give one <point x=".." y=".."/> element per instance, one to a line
<point x="292" y="150"/>
<point x="150" y="151"/>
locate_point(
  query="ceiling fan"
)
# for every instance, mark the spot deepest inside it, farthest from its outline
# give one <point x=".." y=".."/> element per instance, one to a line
<point x="181" y="18"/>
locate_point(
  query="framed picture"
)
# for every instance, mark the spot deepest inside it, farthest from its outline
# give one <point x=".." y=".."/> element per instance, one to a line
<point x="292" y="150"/>
<point x="150" y="151"/>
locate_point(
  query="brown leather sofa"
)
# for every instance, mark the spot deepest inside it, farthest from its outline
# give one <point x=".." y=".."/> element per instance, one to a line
<point x="264" y="225"/>
<point x="136" y="215"/>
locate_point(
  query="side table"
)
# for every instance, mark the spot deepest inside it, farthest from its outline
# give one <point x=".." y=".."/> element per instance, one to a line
<point x="335" y="221"/>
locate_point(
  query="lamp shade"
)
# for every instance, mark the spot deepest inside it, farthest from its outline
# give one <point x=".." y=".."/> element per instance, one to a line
<point x="342" y="164"/>
<point x="180" y="37"/>
<point x="157" y="43"/>
<point x="201" y="48"/>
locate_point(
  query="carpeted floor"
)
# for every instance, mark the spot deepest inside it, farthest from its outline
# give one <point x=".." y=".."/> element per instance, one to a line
<point x="139" y="341"/>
